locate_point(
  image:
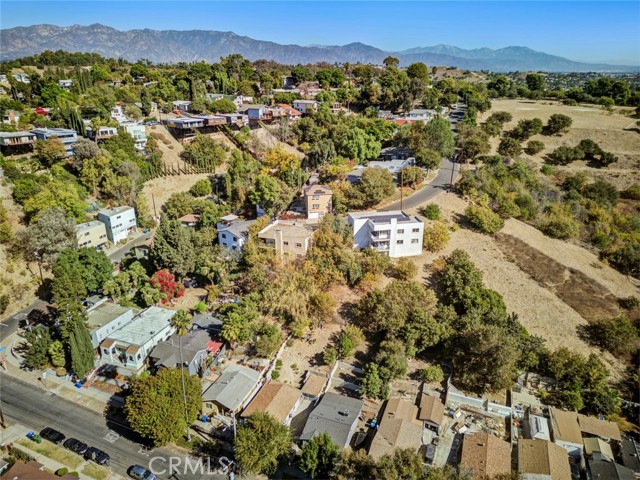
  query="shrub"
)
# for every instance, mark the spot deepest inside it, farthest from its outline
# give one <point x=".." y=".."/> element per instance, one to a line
<point x="570" y="102"/>
<point x="405" y="269"/>
<point x="200" y="307"/>
<point x="558" y="124"/>
<point x="432" y="374"/>
<point x="632" y="193"/>
<point x="546" y="169"/>
<point x="484" y="219"/>
<point x="61" y="472"/>
<point x="509" y="147"/>
<point x="431" y="211"/>
<point x="616" y="335"/>
<point x="558" y="224"/>
<point x="201" y="188"/>
<point x="330" y="355"/>
<point x="275" y="375"/>
<point x="4" y="302"/>
<point x="436" y="237"/>
<point x="629" y="303"/>
<point x="564" y="155"/>
<point x="534" y="147"/>
<point x="601" y="192"/>
<point x="590" y="148"/>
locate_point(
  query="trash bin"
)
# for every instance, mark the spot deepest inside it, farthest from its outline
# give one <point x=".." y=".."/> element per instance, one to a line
<point x="79" y="384"/>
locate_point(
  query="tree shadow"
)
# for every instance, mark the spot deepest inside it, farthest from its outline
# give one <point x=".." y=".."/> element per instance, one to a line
<point x="586" y="334"/>
<point x="347" y="312"/>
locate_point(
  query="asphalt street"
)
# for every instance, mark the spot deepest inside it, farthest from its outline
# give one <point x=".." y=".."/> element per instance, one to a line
<point x="10" y="325"/>
<point x="440" y="184"/>
<point x="35" y="408"/>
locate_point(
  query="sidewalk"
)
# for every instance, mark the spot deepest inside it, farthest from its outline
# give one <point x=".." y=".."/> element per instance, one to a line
<point x="89" y="397"/>
<point x="18" y="432"/>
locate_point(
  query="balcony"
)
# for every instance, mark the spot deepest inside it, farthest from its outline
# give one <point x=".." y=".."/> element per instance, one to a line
<point x="381" y="235"/>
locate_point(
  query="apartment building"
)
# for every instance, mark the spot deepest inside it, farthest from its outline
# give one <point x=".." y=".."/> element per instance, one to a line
<point x="91" y="234"/>
<point x="119" y="222"/>
<point x="67" y="136"/>
<point x="395" y="233"/>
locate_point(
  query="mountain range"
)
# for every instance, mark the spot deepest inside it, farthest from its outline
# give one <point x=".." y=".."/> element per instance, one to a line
<point x="172" y="46"/>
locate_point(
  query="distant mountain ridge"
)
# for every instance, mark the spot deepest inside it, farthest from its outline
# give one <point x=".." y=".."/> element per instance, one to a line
<point x="172" y="46"/>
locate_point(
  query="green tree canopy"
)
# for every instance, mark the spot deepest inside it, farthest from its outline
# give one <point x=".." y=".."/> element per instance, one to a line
<point x="260" y="443"/>
<point x="319" y="456"/>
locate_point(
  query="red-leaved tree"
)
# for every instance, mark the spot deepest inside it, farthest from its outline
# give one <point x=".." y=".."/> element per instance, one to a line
<point x="164" y="281"/>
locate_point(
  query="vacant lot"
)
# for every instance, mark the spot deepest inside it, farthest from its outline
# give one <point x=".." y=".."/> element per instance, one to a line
<point x="163" y="187"/>
<point x="616" y="133"/>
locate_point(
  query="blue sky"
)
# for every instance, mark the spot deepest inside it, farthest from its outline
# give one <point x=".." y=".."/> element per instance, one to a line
<point x="585" y="31"/>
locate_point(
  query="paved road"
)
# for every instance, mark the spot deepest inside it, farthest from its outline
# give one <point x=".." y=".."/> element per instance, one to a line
<point x="118" y="254"/>
<point x="10" y="325"/>
<point x="439" y="184"/>
<point x="32" y="407"/>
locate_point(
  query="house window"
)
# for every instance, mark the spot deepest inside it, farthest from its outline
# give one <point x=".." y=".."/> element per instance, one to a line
<point x="235" y="239"/>
<point x="400" y="242"/>
<point x="315" y="197"/>
<point x="414" y="240"/>
<point x="131" y="358"/>
<point x="106" y="351"/>
<point x="400" y="231"/>
<point x="138" y="356"/>
<point x="315" y="206"/>
<point x="298" y="245"/>
<point x="415" y="230"/>
<point x="223" y="235"/>
<point x="285" y="243"/>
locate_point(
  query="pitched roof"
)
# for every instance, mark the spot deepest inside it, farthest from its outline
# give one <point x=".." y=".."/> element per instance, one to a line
<point x="565" y="426"/>
<point x="602" y="469"/>
<point x="335" y="415"/>
<point x="314" y="384"/>
<point x="232" y="387"/>
<point x="600" y="428"/>
<point x="541" y="457"/>
<point x="596" y="445"/>
<point x="28" y="471"/>
<point x="168" y="353"/>
<point x="275" y="398"/>
<point x="431" y="409"/>
<point x="485" y="455"/>
<point x="399" y="428"/>
<point x="189" y="218"/>
<point x="317" y="190"/>
<point x="629" y="453"/>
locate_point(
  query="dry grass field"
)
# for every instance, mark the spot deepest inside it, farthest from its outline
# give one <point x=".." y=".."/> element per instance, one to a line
<point x="615" y="132"/>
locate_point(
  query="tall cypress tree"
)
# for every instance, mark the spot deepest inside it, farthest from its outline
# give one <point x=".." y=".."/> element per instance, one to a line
<point x="77" y="339"/>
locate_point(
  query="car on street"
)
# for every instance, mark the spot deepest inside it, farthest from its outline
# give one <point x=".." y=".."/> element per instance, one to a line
<point x="96" y="455"/>
<point x="52" y="435"/>
<point x="141" y="473"/>
<point x="75" y="445"/>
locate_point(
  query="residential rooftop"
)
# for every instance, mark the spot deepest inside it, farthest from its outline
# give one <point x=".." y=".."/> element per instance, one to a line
<point x="335" y="415"/>
<point x="600" y="428"/>
<point x="144" y="326"/>
<point x="399" y="428"/>
<point x="275" y="398"/>
<point x="541" y="457"/>
<point x="104" y="313"/>
<point x="85" y="227"/>
<point x="431" y="409"/>
<point x="565" y="426"/>
<point x="109" y="212"/>
<point x="485" y="455"/>
<point x="16" y="134"/>
<point x="238" y="228"/>
<point x="383" y="217"/>
<point x="290" y="229"/>
<point x="232" y="387"/>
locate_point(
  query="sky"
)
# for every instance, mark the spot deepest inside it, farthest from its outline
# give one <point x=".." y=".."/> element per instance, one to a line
<point x="605" y="31"/>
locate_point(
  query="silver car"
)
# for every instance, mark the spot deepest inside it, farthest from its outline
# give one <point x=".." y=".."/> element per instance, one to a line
<point x="141" y="473"/>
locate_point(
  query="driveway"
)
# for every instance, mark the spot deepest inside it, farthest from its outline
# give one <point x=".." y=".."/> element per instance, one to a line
<point x="10" y="325"/>
<point x="448" y="172"/>
<point x="116" y="254"/>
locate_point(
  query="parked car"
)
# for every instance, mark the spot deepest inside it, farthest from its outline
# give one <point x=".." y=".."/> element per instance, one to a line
<point x="96" y="455"/>
<point x="52" y="435"/>
<point x="75" y="446"/>
<point x="141" y="473"/>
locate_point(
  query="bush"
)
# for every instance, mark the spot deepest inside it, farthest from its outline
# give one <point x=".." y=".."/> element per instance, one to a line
<point x="570" y="102"/>
<point x="200" y="307"/>
<point x="601" y="192"/>
<point x="558" y="124"/>
<point x="484" y="219"/>
<point x="431" y="211"/>
<point x="546" y="170"/>
<point x="275" y="375"/>
<point x="564" y="155"/>
<point x="405" y="269"/>
<point x="436" y="237"/>
<point x="509" y="147"/>
<point x="4" y="302"/>
<point x="616" y="335"/>
<point x="201" y="188"/>
<point x="432" y="374"/>
<point x="560" y="225"/>
<point x="629" y="303"/>
<point x="534" y="147"/>
<point x="632" y="193"/>
<point x="330" y="355"/>
<point x="61" y="472"/>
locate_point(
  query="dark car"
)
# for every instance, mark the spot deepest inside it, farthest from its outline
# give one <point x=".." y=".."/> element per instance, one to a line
<point x="141" y="473"/>
<point x="96" y="455"/>
<point x="52" y="435"/>
<point x="76" y="446"/>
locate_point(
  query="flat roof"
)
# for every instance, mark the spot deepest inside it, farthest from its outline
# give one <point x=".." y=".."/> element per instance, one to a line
<point x="83" y="227"/>
<point x="16" y="134"/>
<point x="106" y="312"/>
<point x="289" y="229"/>
<point x="144" y="326"/>
<point x="115" y="210"/>
<point x="384" y="216"/>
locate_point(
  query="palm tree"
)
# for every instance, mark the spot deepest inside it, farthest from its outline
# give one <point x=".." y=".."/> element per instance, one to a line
<point x="181" y="321"/>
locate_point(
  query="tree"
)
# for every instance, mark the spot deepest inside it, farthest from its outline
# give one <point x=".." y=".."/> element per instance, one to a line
<point x="431" y="211"/>
<point x="79" y="272"/>
<point x="427" y="158"/>
<point x="266" y="194"/>
<point x="49" y="151"/>
<point x="222" y="105"/>
<point x="405" y="269"/>
<point x="204" y="151"/>
<point x="375" y="185"/>
<point x="439" y="137"/>
<point x="432" y="374"/>
<point x="564" y="155"/>
<point x="535" y="81"/>
<point x="50" y="234"/>
<point x="349" y="339"/>
<point x="485" y="359"/>
<point x="391" y="62"/>
<point x="56" y="352"/>
<point x="37" y="355"/>
<point x="526" y="129"/>
<point x="411" y="176"/>
<point x="155" y="407"/>
<point x="85" y="149"/>
<point x="617" y="335"/>
<point x="181" y="321"/>
<point x="165" y="282"/>
<point x="420" y="71"/>
<point x="484" y="219"/>
<point x="359" y="145"/>
<point x="354" y="465"/>
<point x="78" y="339"/>
<point x="268" y="340"/>
<point x="63" y="195"/>
<point x="319" y="455"/>
<point x="436" y="236"/>
<point x="281" y="162"/>
<point x="173" y="247"/>
<point x="372" y="385"/>
<point x="260" y="443"/>
<point x="558" y="124"/>
<point x="392" y="360"/>
<point x="509" y="147"/>
<point x="403" y="464"/>
<point x="201" y="188"/>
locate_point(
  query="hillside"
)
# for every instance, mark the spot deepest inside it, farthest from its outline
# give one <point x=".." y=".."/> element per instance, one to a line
<point x="172" y="46"/>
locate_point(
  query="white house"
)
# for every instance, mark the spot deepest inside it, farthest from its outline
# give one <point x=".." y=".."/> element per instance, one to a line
<point x="105" y="318"/>
<point x="393" y="232"/>
<point x="120" y="221"/>
<point x="117" y="113"/>
<point x="129" y="346"/>
<point x="305" y="106"/>
<point x="137" y="131"/>
<point x="65" y="84"/>
<point x="233" y="232"/>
